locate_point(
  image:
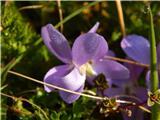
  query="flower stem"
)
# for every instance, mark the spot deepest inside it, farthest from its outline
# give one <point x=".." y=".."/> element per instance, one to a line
<point x="154" y="73"/>
<point x="120" y="15"/>
<point x="60" y="14"/>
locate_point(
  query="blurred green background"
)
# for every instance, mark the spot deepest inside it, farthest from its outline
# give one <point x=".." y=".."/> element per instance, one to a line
<point x="22" y="50"/>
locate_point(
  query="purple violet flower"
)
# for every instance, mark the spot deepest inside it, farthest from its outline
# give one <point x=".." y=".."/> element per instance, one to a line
<point x="85" y="59"/>
<point x="134" y="92"/>
<point x="138" y="48"/>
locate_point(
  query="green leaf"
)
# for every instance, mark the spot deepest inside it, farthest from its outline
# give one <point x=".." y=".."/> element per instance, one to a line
<point x="75" y="13"/>
<point x="115" y="36"/>
<point x="17" y="35"/>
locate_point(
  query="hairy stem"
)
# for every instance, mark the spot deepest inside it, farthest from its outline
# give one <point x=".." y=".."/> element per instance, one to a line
<point x="154" y="72"/>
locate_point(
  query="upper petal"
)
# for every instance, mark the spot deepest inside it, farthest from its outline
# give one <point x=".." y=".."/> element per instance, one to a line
<point x="136" y="47"/>
<point x="111" y="69"/>
<point x="89" y="46"/>
<point x="56" y="43"/>
<point x="54" y="75"/>
<point x="94" y="28"/>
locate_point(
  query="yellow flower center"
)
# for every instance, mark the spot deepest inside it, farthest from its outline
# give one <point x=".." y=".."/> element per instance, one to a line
<point x="88" y="69"/>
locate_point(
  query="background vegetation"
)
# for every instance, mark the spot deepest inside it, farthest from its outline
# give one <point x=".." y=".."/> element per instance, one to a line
<point x="23" y="51"/>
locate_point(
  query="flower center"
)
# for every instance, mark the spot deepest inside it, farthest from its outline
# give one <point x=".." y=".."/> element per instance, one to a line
<point x="87" y="68"/>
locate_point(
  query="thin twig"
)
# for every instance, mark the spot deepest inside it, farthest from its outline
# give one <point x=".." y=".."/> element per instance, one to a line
<point x="31" y="7"/>
<point x="127" y="61"/>
<point x="77" y="93"/>
<point x="63" y="89"/>
<point x="133" y="103"/>
<point x="144" y="109"/>
<point x="28" y="91"/>
<point x="56" y="87"/>
<point x="3" y="87"/>
<point x="120" y="14"/>
<point x="15" y="110"/>
<point x="23" y="99"/>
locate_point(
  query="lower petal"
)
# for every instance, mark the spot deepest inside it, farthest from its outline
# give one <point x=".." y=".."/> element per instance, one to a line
<point x="135" y="72"/>
<point x="140" y="92"/>
<point x="54" y="75"/>
<point x="74" y="80"/>
<point x="136" y="112"/>
<point x="112" y="92"/>
<point x="158" y="52"/>
<point x="69" y="97"/>
<point x="148" y="82"/>
<point x="148" y="79"/>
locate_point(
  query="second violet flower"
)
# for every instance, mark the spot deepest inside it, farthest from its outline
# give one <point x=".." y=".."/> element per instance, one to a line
<point x="138" y="48"/>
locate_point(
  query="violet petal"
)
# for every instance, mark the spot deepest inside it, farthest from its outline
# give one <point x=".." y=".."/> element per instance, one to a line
<point x="148" y="82"/>
<point x="140" y="92"/>
<point x="111" y="69"/>
<point x="112" y="92"/>
<point x="66" y="77"/>
<point x="111" y="53"/>
<point x="89" y="46"/>
<point x="135" y="72"/>
<point x="94" y="28"/>
<point x="54" y="75"/>
<point x="74" y="80"/>
<point x="148" y="79"/>
<point x="56" y="43"/>
<point x="137" y="48"/>
<point x="136" y="112"/>
<point x="69" y="97"/>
